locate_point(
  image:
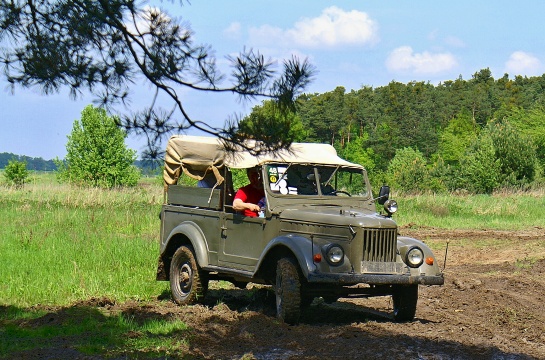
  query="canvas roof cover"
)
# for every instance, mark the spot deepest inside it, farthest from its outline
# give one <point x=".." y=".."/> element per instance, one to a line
<point x="198" y="155"/>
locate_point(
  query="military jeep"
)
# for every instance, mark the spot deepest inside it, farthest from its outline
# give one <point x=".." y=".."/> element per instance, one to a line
<point x="320" y="235"/>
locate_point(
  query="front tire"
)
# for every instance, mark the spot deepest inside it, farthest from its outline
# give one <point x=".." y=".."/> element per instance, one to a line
<point x="405" y="299"/>
<point x="288" y="291"/>
<point x="188" y="283"/>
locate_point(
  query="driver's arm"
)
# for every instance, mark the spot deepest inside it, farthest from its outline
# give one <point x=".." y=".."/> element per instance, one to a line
<point x="239" y="205"/>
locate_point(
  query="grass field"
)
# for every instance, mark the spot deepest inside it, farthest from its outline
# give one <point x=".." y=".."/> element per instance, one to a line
<point x="513" y="211"/>
<point x="61" y="244"/>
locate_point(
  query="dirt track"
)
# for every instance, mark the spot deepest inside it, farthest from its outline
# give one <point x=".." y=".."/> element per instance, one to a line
<point x="491" y="307"/>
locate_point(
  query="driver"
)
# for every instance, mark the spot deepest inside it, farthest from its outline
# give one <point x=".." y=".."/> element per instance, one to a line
<point x="247" y="197"/>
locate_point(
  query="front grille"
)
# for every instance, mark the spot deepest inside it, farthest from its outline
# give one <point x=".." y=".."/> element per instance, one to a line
<point x="379" y="245"/>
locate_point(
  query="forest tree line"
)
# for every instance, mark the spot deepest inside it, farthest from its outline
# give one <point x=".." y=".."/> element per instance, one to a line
<point x="479" y="135"/>
<point x="39" y="164"/>
<point x="32" y="163"/>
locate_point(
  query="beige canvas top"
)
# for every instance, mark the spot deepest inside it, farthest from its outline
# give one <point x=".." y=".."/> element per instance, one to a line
<point x="199" y="156"/>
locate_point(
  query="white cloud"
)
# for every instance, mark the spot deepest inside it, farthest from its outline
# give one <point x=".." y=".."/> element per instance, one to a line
<point x="233" y="31"/>
<point x="403" y="59"/>
<point x="432" y="36"/>
<point x="266" y="35"/>
<point x="522" y="63"/>
<point x="350" y="68"/>
<point x="455" y="42"/>
<point x="334" y="27"/>
<point x="452" y="41"/>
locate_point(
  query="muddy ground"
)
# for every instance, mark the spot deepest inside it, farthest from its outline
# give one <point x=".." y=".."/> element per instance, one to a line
<point x="491" y="307"/>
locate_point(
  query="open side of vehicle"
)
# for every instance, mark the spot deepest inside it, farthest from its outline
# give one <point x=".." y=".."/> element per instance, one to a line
<point x="320" y="236"/>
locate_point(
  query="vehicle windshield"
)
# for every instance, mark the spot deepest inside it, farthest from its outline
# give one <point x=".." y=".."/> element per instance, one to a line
<point x="316" y="180"/>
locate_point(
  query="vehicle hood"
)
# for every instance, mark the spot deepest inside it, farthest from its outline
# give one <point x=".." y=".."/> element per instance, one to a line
<point x="336" y="215"/>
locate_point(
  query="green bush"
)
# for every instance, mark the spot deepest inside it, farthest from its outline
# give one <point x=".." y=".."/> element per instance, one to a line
<point x="515" y="152"/>
<point x="480" y="170"/>
<point x="16" y="173"/>
<point x="440" y="178"/>
<point x="456" y="137"/>
<point x="530" y="124"/>
<point x="501" y="157"/>
<point x="407" y="171"/>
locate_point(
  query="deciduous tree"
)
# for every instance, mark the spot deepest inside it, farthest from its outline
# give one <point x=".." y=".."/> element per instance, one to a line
<point x="274" y="122"/>
<point x="97" y="154"/>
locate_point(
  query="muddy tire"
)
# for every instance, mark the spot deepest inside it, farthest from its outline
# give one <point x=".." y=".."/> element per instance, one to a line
<point x="288" y="291"/>
<point x="405" y="299"/>
<point x="188" y="283"/>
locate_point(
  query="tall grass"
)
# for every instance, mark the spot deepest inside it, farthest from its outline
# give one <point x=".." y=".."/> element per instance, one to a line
<point x="60" y="244"/>
<point x="500" y="211"/>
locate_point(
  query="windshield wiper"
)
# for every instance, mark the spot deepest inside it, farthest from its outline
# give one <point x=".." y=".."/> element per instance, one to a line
<point x="332" y="176"/>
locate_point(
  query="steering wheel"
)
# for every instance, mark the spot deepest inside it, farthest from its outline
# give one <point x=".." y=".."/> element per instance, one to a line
<point x="335" y="192"/>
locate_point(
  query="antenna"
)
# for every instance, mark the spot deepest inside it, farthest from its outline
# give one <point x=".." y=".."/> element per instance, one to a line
<point x="446" y="252"/>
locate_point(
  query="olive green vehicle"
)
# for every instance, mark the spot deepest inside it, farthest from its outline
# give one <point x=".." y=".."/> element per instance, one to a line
<point x="320" y="234"/>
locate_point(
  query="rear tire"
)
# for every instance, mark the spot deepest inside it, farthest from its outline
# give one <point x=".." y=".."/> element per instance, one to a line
<point x="288" y="291"/>
<point x="188" y="283"/>
<point x="405" y="299"/>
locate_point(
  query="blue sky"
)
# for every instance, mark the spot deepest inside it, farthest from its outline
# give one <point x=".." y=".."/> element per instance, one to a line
<point x="352" y="44"/>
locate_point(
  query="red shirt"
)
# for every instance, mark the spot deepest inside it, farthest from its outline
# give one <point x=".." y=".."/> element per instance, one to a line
<point x="249" y="194"/>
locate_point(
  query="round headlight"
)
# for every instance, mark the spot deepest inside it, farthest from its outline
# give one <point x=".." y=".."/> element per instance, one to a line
<point x="414" y="257"/>
<point x="334" y="254"/>
<point x="390" y="206"/>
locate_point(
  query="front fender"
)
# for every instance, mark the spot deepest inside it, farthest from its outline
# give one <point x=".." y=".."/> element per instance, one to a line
<point x="404" y="243"/>
<point x="301" y="247"/>
<point x="196" y="237"/>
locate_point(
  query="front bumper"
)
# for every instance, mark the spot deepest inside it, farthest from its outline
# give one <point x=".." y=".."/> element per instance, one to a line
<point x="375" y="279"/>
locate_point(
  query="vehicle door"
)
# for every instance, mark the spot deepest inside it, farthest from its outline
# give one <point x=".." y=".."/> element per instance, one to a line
<point x="242" y="241"/>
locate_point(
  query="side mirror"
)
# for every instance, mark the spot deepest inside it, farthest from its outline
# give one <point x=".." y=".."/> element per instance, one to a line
<point x="383" y="194"/>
